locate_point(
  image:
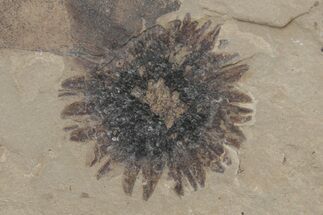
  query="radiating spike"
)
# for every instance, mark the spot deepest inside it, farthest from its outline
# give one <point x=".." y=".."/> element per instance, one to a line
<point x="190" y="178"/>
<point x="173" y="31"/>
<point x="198" y="34"/>
<point x="213" y="63"/>
<point x="199" y="173"/>
<point x="216" y="32"/>
<point x="153" y="33"/>
<point x="235" y="142"/>
<point x="130" y="176"/>
<point x="238" y="109"/>
<point x="216" y="148"/>
<point x="240" y="119"/>
<point x="186" y="20"/>
<point x="233" y="74"/>
<point x="186" y="35"/>
<point x="76" y="108"/>
<point x="176" y="174"/>
<point x="82" y="134"/>
<point x="179" y="189"/>
<point x="237" y="96"/>
<point x="217" y="167"/>
<point x="174" y="25"/>
<point x="89" y="61"/>
<point x="104" y="169"/>
<point x="151" y="177"/>
<point x="69" y="128"/>
<point x="222" y="60"/>
<point x="234" y="136"/>
<point x="74" y="83"/>
<point x="67" y="93"/>
<point x="192" y="26"/>
<point x="90" y="158"/>
<point x="190" y="34"/>
<point x="235" y="114"/>
<point x="209" y="40"/>
<point x="97" y="155"/>
<point x="204" y="155"/>
<point x="232" y="133"/>
<point x="200" y="31"/>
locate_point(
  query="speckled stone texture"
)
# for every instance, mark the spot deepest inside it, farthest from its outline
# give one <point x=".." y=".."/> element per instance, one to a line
<point x="278" y="170"/>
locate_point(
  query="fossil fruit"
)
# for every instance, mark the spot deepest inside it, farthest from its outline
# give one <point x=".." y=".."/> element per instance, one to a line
<point x="164" y="101"/>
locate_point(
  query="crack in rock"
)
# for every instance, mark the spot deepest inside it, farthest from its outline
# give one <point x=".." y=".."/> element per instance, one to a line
<point x="264" y="23"/>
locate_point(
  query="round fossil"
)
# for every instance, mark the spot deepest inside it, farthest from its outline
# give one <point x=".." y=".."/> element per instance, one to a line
<point x="164" y="101"/>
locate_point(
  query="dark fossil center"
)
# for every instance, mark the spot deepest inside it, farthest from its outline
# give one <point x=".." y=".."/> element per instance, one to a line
<point x="150" y="107"/>
<point x="164" y="100"/>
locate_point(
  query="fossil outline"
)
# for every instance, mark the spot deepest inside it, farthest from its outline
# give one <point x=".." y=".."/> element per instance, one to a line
<point x="164" y="100"/>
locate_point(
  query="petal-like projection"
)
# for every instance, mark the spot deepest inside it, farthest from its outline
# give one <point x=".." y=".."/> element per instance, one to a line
<point x="67" y="93"/>
<point x="104" y="169"/>
<point x="234" y="136"/>
<point x="69" y="128"/>
<point x="77" y="109"/>
<point x="213" y="141"/>
<point x="82" y="134"/>
<point x="205" y="155"/>
<point x="187" y="33"/>
<point x="172" y="32"/>
<point x="198" y="172"/>
<point x="240" y="119"/>
<point x="201" y="31"/>
<point x="173" y="26"/>
<point x="238" y="109"/>
<point x="151" y="177"/>
<point x="211" y="63"/>
<point x="216" y="148"/>
<point x="230" y="132"/>
<point x="190" y="178"/>
<point x="176" y="175"/>
<point x="74" y="83"/>
<point x="187" y="30"/>
<point x="209" y="40"/>
<point x="154" y="33"/>
<point x="236" y="96"/>
<point x="98" y="155"/>
<point x="179" y="189"/>
<point x="234" y="141"/>
<point x="224" y="59"/>
<point x="186" y="20"/>
<point x="231" y="75"/>
<point x="217" y="167"/>
<point x="130" y="173"/>
<point x="236" y="114"/>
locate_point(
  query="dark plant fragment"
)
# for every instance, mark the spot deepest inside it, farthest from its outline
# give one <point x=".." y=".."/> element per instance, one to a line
<point x="165" y="101"/>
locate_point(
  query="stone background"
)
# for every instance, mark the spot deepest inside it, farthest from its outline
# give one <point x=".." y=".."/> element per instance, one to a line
<point x="278" y="170"/>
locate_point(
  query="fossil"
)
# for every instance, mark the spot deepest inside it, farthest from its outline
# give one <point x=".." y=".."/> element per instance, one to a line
<point x="166" y="101"/>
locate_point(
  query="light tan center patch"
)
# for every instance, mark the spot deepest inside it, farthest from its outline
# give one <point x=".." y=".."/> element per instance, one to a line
<point x="162" y="101"/>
